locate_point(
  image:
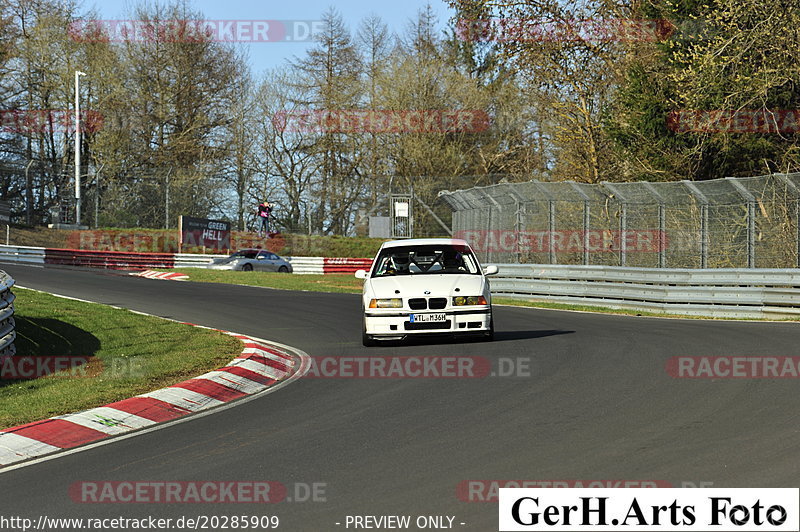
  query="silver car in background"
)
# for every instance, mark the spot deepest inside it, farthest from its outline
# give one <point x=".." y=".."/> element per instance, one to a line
<point x="249" y="260"/>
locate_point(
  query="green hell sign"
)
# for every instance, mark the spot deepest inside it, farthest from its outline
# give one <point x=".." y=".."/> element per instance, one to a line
<point x="212" y="234"/>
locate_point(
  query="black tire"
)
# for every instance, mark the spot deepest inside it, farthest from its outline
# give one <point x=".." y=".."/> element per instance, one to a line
<point x="366" y="340"/>
<point x="283" y="269"/>
<point x="489" y="336"/>
<point x="247" y="268"/>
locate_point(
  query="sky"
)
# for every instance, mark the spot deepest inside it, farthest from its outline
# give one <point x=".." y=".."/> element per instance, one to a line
<point x="300" y="14"/>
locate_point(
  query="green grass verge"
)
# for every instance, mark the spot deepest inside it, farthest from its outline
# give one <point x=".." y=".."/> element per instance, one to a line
<point x="332" y="282"/>
<point x="131" y="354"/>
<point x="584" y="308"/>
<point x="627" y="312"/>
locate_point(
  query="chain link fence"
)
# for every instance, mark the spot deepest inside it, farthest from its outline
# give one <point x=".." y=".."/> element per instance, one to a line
<point x="747" y="222"/>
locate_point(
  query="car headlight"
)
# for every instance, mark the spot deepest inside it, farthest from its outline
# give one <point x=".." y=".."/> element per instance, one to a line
<point x="459" y="301"/>
<point x="386" y="303"/>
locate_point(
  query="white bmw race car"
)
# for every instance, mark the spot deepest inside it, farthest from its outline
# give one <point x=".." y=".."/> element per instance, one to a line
<point x="426" y="286"/>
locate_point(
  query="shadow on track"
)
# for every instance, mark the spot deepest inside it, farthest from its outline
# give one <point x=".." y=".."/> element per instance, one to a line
<point x="499" y="336"/>
<point x="504" y="336"/>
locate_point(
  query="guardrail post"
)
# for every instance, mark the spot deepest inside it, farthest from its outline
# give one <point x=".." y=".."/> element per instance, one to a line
<point x="751" y="220"/>
<point x="623" y="231"/>
<point x="751" y="234"/>
<point x="551" y="216"/>
<point x="551" y="212"/>
<point x="662" y="224"/>
<point x="577" y="189"/>
<point x="489" y="251"/>
<point x="791" y="187"/>
<point x="623" y="222"/>
<point x="699" y="196"/>
<point x="704" y="236"/>
<point x="586" y="223"/>
<point x="518" y="228"/>
<point x="662" y="235"/>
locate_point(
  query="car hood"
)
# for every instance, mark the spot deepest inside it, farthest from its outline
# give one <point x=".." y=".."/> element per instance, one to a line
<point x="439" y="285"/>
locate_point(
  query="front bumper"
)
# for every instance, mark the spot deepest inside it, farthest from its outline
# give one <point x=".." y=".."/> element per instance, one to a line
<point x="396" y="323"/>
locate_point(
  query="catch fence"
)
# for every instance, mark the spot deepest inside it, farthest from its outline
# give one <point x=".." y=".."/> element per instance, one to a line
<point x="747" y="222"/>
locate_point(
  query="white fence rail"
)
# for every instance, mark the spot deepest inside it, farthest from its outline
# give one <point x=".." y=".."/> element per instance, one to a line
<point x="307" y="265"/>
<point x="184" y="260"/>
<point x="742" y="293"/>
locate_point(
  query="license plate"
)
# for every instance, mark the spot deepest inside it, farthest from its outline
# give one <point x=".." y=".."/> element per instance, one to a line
<point x="422" y="318"/>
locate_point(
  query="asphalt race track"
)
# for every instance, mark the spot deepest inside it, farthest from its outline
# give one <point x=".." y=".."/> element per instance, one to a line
<point x="597" y="404"/>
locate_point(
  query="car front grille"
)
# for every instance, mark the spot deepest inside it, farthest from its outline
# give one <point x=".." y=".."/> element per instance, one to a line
<point x="437" y="303"/>
<point x="417" y="303"/>
<point x="434" y="303"/>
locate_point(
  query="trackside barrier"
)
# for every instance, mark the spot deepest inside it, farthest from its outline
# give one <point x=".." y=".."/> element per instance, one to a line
<point x="192" y="260"/>
<point x="27" y="254"/>
<point x="7" y="332"/>
<point x="307" y="265"/>
<point x="300" y="265"/>
<point x="345" y="265"/>
<point x="117" y="260"/>
<point x="723" y="292"/>
<point x="142" y="261"/>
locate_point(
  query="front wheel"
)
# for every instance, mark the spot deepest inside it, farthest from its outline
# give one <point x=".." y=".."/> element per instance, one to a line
<point x="366" y="340"/>
<point x="283" y="269"/>
<point x="247" y="268"/>
<point x="489" y="335"/>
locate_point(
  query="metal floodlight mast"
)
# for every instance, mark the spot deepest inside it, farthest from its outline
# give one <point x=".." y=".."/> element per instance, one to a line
<point x="78" y="73"/>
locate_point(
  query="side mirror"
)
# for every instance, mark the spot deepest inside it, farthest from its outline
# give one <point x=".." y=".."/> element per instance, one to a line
<point x="361" y="274"/>
<point x="490" y="270"/>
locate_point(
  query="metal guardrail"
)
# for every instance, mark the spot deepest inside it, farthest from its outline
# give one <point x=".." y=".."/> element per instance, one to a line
<point x="723" y="292"/>
<point x="7" y="325"/>
<point x="127" y="260"/>
<point x="193" y="260"/>
<point x="27" y="254"/>
<point x="118" y="260"/>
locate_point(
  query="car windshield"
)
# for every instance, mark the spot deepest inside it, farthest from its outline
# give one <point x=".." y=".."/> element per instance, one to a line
<point x="244" y="254"/>
<point x="420" y="260"/>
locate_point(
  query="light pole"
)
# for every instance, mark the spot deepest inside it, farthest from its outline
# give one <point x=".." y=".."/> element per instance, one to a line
<point x="78" y="147"/>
